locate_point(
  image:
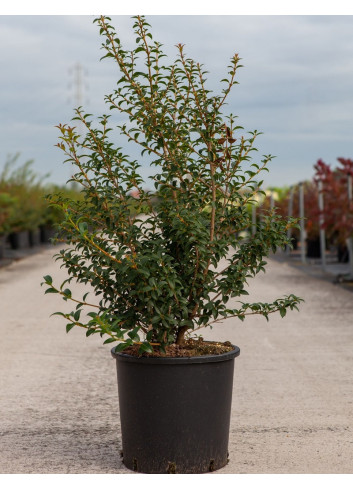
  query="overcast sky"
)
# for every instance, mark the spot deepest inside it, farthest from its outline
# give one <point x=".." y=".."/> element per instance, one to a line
<point x="296" y="85"/>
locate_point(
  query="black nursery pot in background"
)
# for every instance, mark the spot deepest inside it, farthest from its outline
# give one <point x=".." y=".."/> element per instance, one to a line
<point x="47" y="233"/>
<point x="19" y="240"/>
<point x="34" y="237"/>
<point x="342" y="254"/>
<point x="2" y="245"/>
<point x="175" y="412"/>
<point x="313" y="249"/>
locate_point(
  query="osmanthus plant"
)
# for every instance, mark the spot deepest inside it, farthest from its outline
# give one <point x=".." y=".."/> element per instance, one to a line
<point x="152" y="264"/>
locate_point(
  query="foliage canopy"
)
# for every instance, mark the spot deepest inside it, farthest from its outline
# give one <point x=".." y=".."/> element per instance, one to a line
<point x="151" y="261"/>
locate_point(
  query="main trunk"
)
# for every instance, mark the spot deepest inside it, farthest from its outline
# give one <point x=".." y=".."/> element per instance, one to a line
<point x="180" y="339"/>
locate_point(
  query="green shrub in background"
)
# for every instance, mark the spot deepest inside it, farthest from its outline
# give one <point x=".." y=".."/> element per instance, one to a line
<point x="24" y="187"/>
<point x="53" y="214"/>
<point x="23" y="198"/>
<point x="7" y="209"/>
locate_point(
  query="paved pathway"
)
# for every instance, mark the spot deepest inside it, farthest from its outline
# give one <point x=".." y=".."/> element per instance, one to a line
<point x="293" y="390"/>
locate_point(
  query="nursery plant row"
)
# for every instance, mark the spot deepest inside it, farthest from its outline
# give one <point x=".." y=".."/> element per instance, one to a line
<point x="26" y="218"/>
<point x="325" y="204"/>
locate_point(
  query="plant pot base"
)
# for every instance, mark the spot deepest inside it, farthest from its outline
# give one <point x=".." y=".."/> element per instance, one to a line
<point x="175" y="468"/>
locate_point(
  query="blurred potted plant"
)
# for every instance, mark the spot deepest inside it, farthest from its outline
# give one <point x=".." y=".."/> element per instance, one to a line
<point x="312" y="218"/>
<point x="26" y="188"/>
<point x="7" y="206"/>
<point x="337" y="216"/>
<point x="311" y="211"/>
<point x="279" y="197"/>
<point x="53" y="215"/>
<point x="159" y="277"/>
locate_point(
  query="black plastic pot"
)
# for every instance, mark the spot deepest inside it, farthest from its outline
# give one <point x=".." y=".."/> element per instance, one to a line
<point x="47" y="233"/>
<point x="2" y="245"/>
<point x="342" y="254"/>
<point x="34" y="237"/>
<point x="313" y="249"/>
<point x="175" y="412"/>
<point x="19" y="240"/>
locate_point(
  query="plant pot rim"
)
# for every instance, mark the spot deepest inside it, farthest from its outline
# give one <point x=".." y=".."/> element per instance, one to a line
<point x="229" y="355"/>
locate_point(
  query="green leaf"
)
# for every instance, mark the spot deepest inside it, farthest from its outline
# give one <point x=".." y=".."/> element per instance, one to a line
<point x="48" y="279"/>
<point x="67" y="293"/>
<point x="120" y="347"/>
<point x="58" y="314"/>
<point x="109" y="340"/>
<point x="83" y="227"/>
<point x="133" y="334"/>
<point x="145" y="347"/>
<point x="244" y="292"/>
<point x="77" y="315"/>
<point x="69" y="326"/>
<point x="51" y="291"/>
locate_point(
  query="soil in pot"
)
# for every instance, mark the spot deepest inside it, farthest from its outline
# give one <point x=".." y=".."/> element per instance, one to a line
<point x="191" y="348"/>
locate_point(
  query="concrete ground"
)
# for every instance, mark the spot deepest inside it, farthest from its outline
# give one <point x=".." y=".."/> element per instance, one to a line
<point x="293" y="392"/>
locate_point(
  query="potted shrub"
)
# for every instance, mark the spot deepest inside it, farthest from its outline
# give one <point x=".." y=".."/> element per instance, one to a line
<point x="312" y="218"/>
<point x="7" y="205"/>
<point x="152" y="268"/>
<point x="337" y="216"/>
<point x="26" y="188"/>
<point x="311" y="211"/>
